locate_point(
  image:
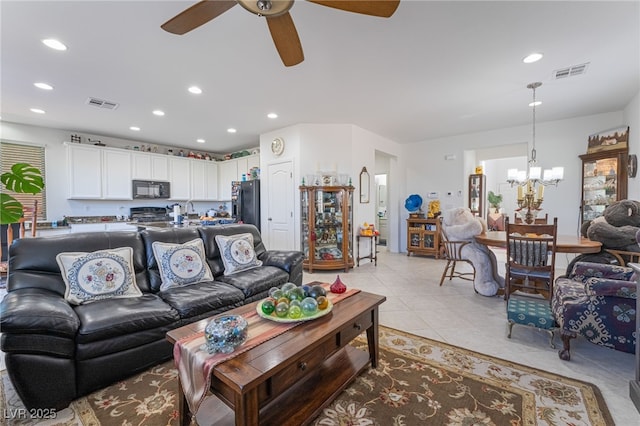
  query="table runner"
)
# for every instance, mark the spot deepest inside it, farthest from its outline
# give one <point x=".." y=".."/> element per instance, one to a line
<point x="195" y="364"/>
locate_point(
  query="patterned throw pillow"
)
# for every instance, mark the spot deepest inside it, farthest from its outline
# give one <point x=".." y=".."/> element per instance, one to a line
<point x="181" y="264"/>
<point x="237" y="253"/>
<point x="98" y="275"/>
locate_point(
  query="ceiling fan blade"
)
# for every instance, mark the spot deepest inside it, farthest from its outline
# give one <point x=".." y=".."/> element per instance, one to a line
<point x="382" y="8"/>
<point x="198" y="14"/>
<point x="285" y="37"/>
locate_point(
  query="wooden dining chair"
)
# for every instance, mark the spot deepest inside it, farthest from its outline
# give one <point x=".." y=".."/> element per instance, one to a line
<point x="452" y="253"/>
<point x="537" y="221"/>
<point x="30" y="216"/>
<point x="529" y="275"/>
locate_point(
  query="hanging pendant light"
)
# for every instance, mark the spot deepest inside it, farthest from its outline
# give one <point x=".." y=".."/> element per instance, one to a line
<point x="531" y="182"/>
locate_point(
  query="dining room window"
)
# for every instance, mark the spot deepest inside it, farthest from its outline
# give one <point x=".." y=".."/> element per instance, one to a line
<point x="12" y="153"/>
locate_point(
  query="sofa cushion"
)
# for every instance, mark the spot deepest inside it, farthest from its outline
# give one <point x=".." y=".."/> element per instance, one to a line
<point x="237" y="253"/>
<point x="201" y="298"/>
<point x="181" y="264"/>
<point x="101" y="274"/>
<point x="109" y="318"/>
<point x="255" y="283"/>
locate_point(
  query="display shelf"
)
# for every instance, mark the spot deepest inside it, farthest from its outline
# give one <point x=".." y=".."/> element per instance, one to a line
<point x="327" y="227"/>
<point x="604" y="181"/>
<point x="423" y="237"/>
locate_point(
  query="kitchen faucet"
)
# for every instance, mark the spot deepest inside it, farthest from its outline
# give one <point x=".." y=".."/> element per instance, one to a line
<point x="186" y="206"/>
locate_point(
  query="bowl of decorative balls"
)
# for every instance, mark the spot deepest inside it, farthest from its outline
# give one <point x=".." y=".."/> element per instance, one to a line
<point x="292" y="303"/>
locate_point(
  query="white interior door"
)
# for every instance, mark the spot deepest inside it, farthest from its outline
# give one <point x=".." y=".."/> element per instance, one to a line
<point x="281" y="194"/>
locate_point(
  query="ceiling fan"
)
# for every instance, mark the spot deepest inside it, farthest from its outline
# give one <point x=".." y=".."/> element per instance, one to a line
<point x="281" y="26"/>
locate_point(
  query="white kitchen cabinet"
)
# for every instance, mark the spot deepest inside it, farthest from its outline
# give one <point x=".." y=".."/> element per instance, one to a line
<point x="96" y="173"/>
<point x="227" y="172"/>
<point x="102" y="227"/>
<point x="232" y="170"/>
<point x="87" y="227"/>
<point x="116" y="175"/>
<point x="204" y="180"/>
<point x="180" y="178"/>
<point x="147" y="166"/>
<point x="84" y="165"/>
<point x="120" y="226"/>
<point x="50" y="232"/>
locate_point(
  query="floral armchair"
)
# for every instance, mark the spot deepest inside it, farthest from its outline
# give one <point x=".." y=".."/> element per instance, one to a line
<point x="597" y="301"/>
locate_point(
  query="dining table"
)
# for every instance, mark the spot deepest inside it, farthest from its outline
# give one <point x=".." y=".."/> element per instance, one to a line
<point x="564" y="243"/>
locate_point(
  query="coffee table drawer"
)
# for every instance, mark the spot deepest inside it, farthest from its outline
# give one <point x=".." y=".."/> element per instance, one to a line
<point x="355" y="328"/>
<point x="302" y="366"/>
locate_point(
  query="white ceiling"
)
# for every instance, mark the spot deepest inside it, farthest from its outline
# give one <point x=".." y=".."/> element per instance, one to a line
<point x="433" y="69"/>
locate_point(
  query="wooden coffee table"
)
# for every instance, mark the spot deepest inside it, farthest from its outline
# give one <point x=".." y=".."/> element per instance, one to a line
<point x="289" y="379"/>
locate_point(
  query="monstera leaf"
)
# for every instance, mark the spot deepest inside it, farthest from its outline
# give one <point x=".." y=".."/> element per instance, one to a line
<point x="24" y="179"/>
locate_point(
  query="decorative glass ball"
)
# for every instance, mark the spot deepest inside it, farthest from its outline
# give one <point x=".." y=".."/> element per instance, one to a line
<point x="225" y="333"/>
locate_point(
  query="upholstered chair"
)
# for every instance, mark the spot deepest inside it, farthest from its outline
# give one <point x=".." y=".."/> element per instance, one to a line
<point x="598" y="302"/>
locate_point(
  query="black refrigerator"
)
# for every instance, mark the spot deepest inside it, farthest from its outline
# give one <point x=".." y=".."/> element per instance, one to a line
<point x="245" y="202"/>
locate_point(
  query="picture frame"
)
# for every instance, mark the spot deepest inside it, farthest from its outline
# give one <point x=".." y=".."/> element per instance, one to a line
<point x="365" y="186"/>
<point x="607" y="140"/>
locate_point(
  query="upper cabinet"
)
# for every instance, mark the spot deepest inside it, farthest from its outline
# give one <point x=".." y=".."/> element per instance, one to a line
<point x="149" y="166"/>
<point x="98" y="173"/>
<point x="232" y="170"/>
<point x="604" y="180"/>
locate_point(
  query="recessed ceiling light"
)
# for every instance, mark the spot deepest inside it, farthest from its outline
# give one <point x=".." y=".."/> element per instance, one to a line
<point x="134" y="128"/>
<point x="536" y="103"/>
<point x="272" y="115"/>
<point x="231" y="130"/>
<point x="195" y="90"/>
<point x="43" y="86"/>
<point x="54" y="44"/>
<point x="532" y="57"/>
<point x="37" y="110"/>
<point x="200" y="140"/>
<point x="158" y="112"/>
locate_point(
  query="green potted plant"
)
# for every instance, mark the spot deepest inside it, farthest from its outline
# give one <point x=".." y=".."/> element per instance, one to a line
<point x="495" y="200"/>
<point x="22" y="179"/>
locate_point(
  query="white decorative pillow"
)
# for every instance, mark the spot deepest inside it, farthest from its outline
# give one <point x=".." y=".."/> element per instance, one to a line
<point x="98" y="275"/>
<point x="181" y="264"/>
<point x="237" y="253"/>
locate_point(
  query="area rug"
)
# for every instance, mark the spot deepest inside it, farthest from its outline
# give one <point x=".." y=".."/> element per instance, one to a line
<point x="418" y="381"/>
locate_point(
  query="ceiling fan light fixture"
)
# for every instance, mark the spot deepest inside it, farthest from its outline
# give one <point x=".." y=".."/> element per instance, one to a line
<point x="266" y="7"/>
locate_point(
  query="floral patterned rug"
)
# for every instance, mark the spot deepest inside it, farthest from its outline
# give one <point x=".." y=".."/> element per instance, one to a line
<point x="418" y="381"/>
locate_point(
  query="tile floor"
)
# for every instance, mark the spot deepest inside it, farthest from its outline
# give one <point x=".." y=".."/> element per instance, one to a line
<point x="455" y="314"/>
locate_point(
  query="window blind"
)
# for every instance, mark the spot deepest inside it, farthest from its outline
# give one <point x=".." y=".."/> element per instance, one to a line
<point x="12" y="153"/>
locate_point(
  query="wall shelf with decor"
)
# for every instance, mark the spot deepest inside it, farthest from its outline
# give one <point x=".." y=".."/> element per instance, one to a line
<point x="423" y="237"/>
<point x="327" y="227"/>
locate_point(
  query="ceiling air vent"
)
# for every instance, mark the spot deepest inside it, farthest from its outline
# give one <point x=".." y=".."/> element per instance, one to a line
<point x="101" y="103"/>
<point x="570" y="71"/>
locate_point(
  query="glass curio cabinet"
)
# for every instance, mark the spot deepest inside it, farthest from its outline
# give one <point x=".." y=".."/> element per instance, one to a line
<point x="604" y="180"/>
<point x="327" y="227"/>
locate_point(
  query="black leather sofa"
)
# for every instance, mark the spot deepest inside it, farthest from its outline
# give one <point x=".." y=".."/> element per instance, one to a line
<point x="56" y="352"/>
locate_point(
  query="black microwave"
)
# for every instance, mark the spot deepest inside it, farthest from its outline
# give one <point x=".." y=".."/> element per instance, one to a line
<point x="151" y="189"/>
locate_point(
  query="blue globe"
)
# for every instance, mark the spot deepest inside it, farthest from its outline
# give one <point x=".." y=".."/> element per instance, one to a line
<point x="413" y="203"/>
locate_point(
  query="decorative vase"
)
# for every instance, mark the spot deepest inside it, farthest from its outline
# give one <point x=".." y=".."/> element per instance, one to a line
<point x="225" y="333"/>
<point x="338" y="286"/>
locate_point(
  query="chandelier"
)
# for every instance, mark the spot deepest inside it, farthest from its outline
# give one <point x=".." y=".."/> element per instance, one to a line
<point x="531" y="182"/>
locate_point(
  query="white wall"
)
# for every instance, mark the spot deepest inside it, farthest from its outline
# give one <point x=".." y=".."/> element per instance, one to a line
<point x="631" y="116"/>
<point x="557" y="143"/>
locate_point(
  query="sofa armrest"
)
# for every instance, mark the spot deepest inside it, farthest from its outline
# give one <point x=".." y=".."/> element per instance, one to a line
<point x="37" y="311"/>
<point x="612" y="288"/>
<point x="286" y="260"/>
<point x="585" y="270"/>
